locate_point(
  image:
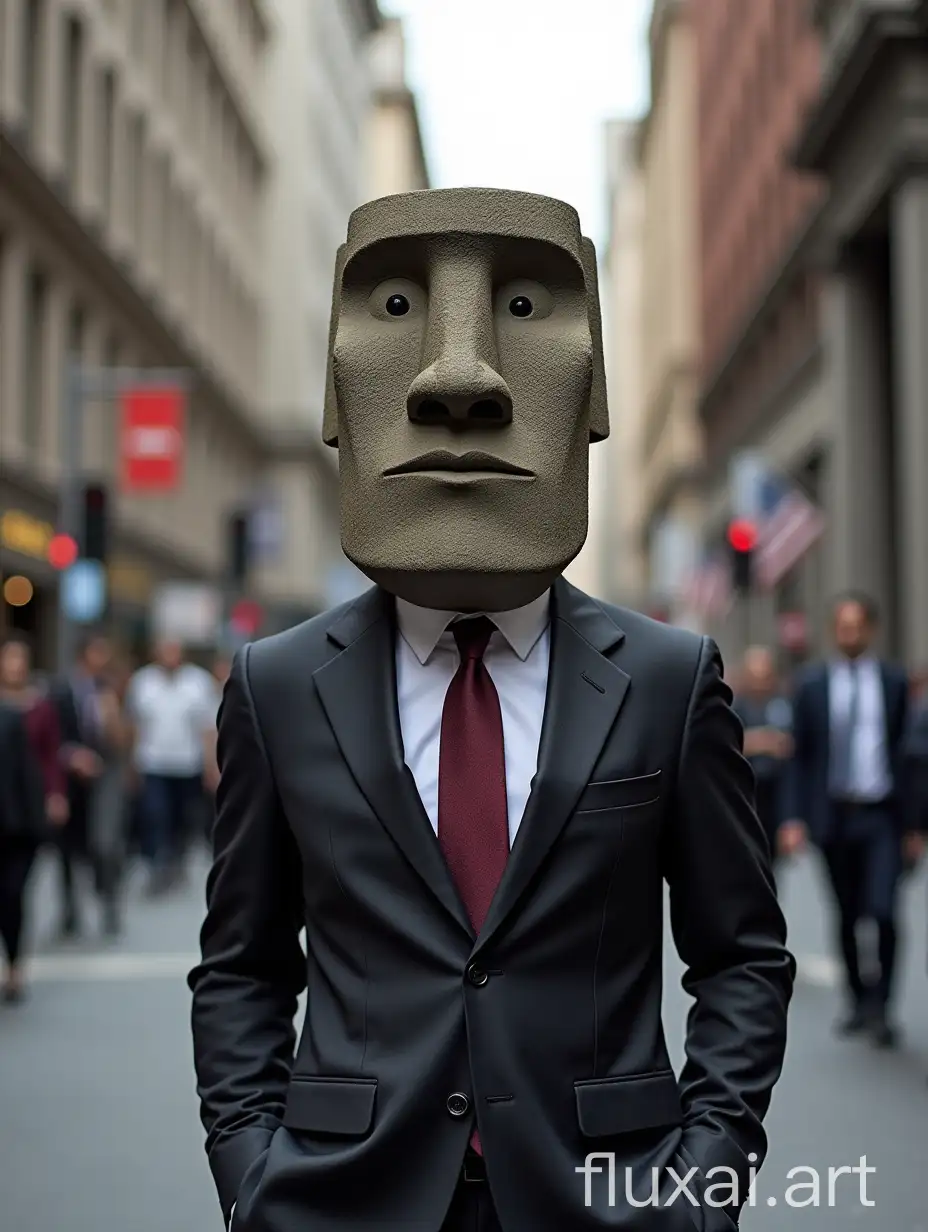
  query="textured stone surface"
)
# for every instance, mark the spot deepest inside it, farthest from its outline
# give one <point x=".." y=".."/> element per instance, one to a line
<point x="459" y="257"/>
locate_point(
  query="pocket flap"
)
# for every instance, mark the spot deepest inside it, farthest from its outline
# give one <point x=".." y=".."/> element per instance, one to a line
<point x="323" y="1105"/>
<point x="620" y="793"/>
<point x="635" y="1101"/>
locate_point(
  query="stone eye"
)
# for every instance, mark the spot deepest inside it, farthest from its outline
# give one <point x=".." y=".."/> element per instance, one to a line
<point x="521" y="306"/>
<point x="397" y="305"/>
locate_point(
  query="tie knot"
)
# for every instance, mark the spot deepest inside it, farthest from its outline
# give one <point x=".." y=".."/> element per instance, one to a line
<point x="472" y="636"/>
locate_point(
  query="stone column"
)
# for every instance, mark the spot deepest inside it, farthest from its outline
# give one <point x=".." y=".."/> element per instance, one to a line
<point x="910" y="341"/>
<point x="858" y="502"/>
<point x="56" y="328"/>
<point x="11" y="62"/>
<point x="88" y="153"/>
<point x="51" y="87"/>
<point x="12" y="312"/>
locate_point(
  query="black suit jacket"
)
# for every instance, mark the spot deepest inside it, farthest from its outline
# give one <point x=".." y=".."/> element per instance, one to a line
<point x="809" y="799"/>
<point x="549" y="1022"/>
<point x="916" y="768"/>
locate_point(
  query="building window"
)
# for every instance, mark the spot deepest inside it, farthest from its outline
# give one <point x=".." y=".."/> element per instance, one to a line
<point x="137" y="27"/>
<point x="34" y="355"/>
<point x="3" y="356"/>
<point x="107" y="134"/>
<point x="135" y="170"/>
<point x="72" y="96"/>
<point x="168" y="46"/>
<point x="33" y="28"/>
<point x="77" y="326"/>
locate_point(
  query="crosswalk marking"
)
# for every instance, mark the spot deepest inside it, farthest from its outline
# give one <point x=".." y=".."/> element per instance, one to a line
<point x="818" y="969"/>
<point x="91" y="967"/>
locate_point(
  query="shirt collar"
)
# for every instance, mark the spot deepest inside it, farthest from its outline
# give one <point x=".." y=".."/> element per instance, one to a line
<point x="842" y="663"/>
<point x="422" y="627"/>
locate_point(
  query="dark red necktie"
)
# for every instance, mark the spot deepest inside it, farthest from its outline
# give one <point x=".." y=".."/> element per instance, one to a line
<point x="473" y="821"/>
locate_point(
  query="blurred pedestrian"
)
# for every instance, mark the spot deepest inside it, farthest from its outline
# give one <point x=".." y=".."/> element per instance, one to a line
<point x="32" y="794"/>
<point x="84" y="715"/>
<point x="171" y="706"/>
<point x="846" y="794"/>
<point x="107" y="830"/>
<point x="767" y="717"/>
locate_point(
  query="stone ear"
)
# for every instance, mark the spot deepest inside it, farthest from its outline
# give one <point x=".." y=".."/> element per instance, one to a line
<point x="599" y="409"/>
<point x="330" y="405"/>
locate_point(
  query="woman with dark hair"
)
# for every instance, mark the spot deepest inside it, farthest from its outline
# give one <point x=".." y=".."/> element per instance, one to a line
<point x="32" y="792"/>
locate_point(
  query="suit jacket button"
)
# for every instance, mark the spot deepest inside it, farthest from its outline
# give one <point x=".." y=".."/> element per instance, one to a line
<point x="458" y="1104"/>
<point x="477" y="976"/>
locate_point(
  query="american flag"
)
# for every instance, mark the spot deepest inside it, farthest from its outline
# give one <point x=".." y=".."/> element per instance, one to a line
<point x="790" y="525"/>
<point x="709" y="591"/>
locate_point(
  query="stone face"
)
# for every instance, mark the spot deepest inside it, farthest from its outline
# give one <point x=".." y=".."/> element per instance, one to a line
<point x="465" y="322"/>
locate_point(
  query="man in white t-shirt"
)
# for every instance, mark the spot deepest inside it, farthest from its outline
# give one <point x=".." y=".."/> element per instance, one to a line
<point x="172" y="705"/>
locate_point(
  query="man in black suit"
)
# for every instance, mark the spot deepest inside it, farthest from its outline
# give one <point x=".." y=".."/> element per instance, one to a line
<point x="469" y="786"/>
<point x="846" y="780"/>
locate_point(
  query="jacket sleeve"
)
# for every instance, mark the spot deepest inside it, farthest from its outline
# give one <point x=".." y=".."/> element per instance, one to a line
<point x="252" y="971"/>
<point x="730" y="934"/>
<point x="45" y="732"/>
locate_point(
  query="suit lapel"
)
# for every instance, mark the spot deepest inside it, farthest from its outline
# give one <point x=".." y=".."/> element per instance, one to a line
<point x="825" y="703"/>
<point x="894" y="706"/>
<point x="358" y="693"/>
<point x="585" y="693"/>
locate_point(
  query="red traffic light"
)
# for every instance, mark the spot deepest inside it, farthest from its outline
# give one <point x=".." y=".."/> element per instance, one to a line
<point x="62" y="551"/>
<point x="246" y="617"/>
<point x="742" y="536"/>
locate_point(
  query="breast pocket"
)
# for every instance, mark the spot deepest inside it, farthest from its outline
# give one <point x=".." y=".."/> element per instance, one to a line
<point x="604" y="796"/>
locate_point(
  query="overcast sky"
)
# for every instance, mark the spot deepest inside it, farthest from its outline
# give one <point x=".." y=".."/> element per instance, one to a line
<point x="514" y="93"/>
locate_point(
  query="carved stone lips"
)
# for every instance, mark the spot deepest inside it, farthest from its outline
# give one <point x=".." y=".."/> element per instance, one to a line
<point x="461" y="463"/>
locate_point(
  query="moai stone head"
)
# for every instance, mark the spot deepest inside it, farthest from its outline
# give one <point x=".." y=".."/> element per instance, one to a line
<point x="465" y="384"/>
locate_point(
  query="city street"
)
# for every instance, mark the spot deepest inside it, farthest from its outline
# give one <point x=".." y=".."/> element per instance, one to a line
<point x="100" y="1129"/>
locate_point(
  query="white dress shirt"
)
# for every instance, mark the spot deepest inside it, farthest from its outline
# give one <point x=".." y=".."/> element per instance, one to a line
<point x="172" y="712"/>
<point x="517" y="660"/>
<point x="870" y="767"/>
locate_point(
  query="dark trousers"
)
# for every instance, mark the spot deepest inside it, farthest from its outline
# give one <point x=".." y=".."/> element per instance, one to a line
<point x="864" y="863"/>
<point x="76" y="850"/>
<point x="166" y="809"/>
<point x="71" y="844"/>
<point x="472" y="1208"/>
<point x="16" y="859"/>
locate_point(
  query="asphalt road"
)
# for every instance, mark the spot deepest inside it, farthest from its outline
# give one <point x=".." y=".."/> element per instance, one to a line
<point x="98" y="1120"/>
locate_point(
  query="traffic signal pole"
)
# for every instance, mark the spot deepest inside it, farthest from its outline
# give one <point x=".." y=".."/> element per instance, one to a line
<point x="78" y="384"/>
<point x="69" y="490"/>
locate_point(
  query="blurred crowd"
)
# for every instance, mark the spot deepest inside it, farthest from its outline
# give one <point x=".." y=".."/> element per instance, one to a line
<point x="840" y="758"/>
<point x="106" y="763"/>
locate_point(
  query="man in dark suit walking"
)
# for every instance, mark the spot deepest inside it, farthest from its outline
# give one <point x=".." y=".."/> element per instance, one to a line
<point x="846" y="794"/>
<point x="469" y="787"/>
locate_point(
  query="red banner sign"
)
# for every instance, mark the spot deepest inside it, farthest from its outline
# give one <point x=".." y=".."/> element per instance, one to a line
<point x="152" y="439"/>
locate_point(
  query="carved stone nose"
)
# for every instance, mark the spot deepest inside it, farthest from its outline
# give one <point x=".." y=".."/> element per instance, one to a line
<point x="455" y="410"/>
